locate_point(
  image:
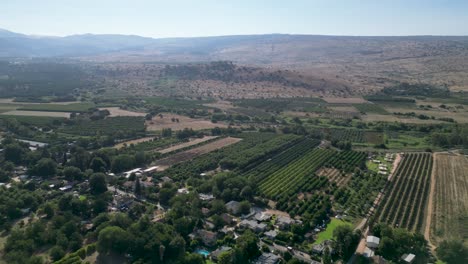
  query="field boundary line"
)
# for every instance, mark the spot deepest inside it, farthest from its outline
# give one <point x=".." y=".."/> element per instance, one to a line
<point x="430" y="205"/>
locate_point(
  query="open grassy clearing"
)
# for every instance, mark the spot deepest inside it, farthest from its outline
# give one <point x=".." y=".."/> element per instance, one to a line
<point x="450" y="201"/>
<point x="37" y="113"/>
<point x="327" y="234"/>
<point x="195" y="152"/>
<point x="117" y="111"/>
<point x="192" y="142"/>
<point x="179" y="122"/>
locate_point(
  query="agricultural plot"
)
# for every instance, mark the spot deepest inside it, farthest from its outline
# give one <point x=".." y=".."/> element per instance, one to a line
<point x="179" y="122"/>
<point x="296" y="176"/>
<point x="188" y="144"/>
<point x="195" y="152"/>
<point x="334" y="175"/>
<point x="372" y="137"/>
<point x="450" y="201"/>
<point x="34" y="120"/>
<point x="74" y="108"/>
<point x="117" y="111"/>
<point x="371" y="109"/>
<point x="346" y="161"/>
<point x="406" y="196"/>
<point x="111" y="125"/>
<point x="284" y="104"/>
<point x="356" y="136"/>
<point x="342" y="100"/>
<point x="37" y="113"/>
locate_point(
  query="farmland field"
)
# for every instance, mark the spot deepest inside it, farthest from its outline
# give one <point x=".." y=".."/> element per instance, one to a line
<point x="350" y="100"/>
<point x="450" y="200"/>
<point x="371" y="108"/>
<point x="195" y="152"/>
<point x="111" y="125"/>
<point x="179" y="122"/>
<point x="76" y="107"/>
<point x="192" y="142"/>
<point x="406" y="196"/>
<point x="334" y="175"/>
<point x="37" y="113"/>
<point x="350" y="135"/>
<point x="117" y="111"/>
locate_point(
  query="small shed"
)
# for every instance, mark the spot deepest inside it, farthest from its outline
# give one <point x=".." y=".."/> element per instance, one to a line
<point x="372" y="241"/>
<point x="408" y="258"/>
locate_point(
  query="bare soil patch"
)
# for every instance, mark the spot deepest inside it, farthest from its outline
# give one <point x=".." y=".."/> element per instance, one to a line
<point x="37" y="113"/>
<point x="192" y="142"/>
<point x="179" y="122"/>
<point x="195" y="152"/>
<point x="117" y="111"/>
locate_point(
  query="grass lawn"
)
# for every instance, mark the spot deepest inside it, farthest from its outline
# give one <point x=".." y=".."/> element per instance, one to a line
<point x="327" y="234"/>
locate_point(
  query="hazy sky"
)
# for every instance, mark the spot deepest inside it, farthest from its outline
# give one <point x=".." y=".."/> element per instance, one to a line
<point x="177" y="18"/>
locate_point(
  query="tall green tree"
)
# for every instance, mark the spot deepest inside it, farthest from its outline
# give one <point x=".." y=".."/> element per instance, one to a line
<point x="97" y="183"/>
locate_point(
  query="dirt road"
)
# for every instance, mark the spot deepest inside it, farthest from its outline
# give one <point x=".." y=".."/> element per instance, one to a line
<point x="430" y="205"/>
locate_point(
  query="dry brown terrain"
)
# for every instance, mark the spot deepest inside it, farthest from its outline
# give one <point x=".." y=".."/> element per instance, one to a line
<point x="158" y="123"/>
<point x="337" y="63"/>
<point x="117" y="111"/>
<point x="450" y="200"/>
<point x="192" y="142"/>
<point x="195" y="152"/>
<point x="37" y="113"/>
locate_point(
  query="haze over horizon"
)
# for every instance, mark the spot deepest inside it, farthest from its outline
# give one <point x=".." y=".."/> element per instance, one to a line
<point x="161" y="19"/>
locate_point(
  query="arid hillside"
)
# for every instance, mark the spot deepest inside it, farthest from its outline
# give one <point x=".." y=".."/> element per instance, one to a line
<point x="363" y="64"/>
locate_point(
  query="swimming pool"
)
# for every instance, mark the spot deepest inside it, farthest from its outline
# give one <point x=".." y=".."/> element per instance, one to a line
<point x="203" y="252"/>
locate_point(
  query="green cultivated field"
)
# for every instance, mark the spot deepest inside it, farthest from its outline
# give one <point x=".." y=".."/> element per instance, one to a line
<point x="77" y="108"/>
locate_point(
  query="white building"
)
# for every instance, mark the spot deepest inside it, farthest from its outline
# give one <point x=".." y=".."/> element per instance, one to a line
<point x="372" y="241"/>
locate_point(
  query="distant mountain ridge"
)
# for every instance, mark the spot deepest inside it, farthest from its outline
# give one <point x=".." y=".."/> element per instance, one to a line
<point x="266" y="47"/>
<point x="19" y="45"/>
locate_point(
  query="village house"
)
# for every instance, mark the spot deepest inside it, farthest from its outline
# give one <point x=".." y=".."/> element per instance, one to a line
<point x="253" y="225"/>
<point x="215" y="254"/>
<point x="408" y="258"/>
<point x="271" y="234"/>
<point x="208" y="238"/>
<point x="284" y="222"/>
<point x="268" y="258"/>
<point x="233" y="207"/>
